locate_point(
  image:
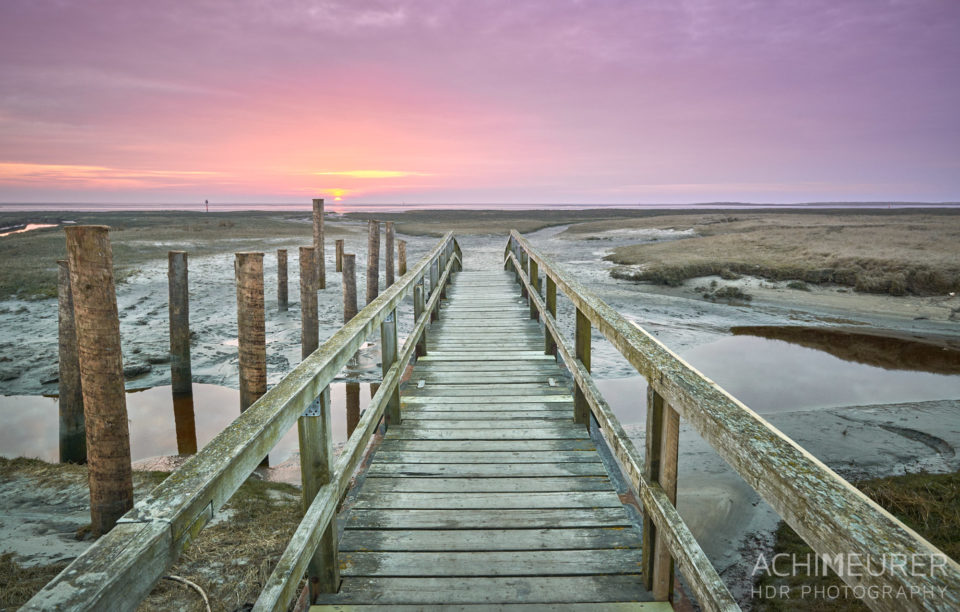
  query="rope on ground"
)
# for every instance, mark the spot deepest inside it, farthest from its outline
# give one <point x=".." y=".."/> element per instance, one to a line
<point x="192" y="585"/>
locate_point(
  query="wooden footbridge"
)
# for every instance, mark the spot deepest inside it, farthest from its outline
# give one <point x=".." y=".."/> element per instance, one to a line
<point x="487" y="488"/>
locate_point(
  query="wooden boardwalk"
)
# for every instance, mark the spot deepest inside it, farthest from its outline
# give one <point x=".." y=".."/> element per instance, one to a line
<point x="488" y="495"/>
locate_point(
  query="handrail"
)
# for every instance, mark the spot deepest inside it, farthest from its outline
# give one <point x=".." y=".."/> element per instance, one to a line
<point x="841" y="524"/>
<point x="703" y="578"/>
<point x="121" y="568"/>
<point x="280" y="587"/>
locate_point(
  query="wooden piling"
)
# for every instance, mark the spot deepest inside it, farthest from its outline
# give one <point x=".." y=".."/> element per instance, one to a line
<point x="353" y="407"/>
<point x="388" y="356"/>
<point x="251" y="326"/>
<point x="660" y="466"/>
<point x="181" y="377"/>
<point x="309" y="321"/>
<point x="401" y="257"/>
<point x="73" y="435"/>
<point x="349" y="286"/>
<point x="581" y="408"/>
<point x="339" y="254"/>
<point x="316" y="470"/>
<point x="184" y="420"/>
<point x="373" y="260"/>
<point x="282" y="292"/>
<point x="321" y="280"/>
<point x="388" y="260"/>
<point x="101" y="374"/>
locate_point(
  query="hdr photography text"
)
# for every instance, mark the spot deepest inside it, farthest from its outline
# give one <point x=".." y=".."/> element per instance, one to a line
<point x="928" y="567"/>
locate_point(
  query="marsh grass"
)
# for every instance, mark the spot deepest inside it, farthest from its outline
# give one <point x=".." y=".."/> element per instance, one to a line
<point x="928" y="503"/>
<point x="896" y="254"/>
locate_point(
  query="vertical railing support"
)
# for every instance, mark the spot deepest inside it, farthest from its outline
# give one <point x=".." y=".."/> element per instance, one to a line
<point x="581" y="409"/>
<point x="549" y="343"/>
<point x="523" y="265"/>
<point x="434" y="279"/>
<point x="418" y="306"/>
<point x="283" y="296"/>
<point x="73" y="435"/>
<point x="316" y="470"/>
<point x="660" y="466"/>
<point x="441" y="266"/>
<point x="101" y="374"/>
<point x="388" y="356"/>
<point x="534" y="273"/>
<point x="309" y="319"/>
<point x="388" y="260"/>
<point x="339" y="254"/>
<point x="373" y="260"/>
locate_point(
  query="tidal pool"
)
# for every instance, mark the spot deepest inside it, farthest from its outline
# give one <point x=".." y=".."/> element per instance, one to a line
<point x="157" y="426"/>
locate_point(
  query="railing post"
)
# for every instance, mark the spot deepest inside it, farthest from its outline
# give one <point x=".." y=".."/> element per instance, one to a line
<point x="309" y="322"/>
<point x="434" y="279"/>
<point x="660" y="466"/>
<point x="101" y="374"/>
<point x="373" y="260"/>
<point x="388" y="355"/>
<point x="418" y="305"/>
<point x="550" y="345"/>
<point x="316" y="470"/>
<point x="534" y="273"/>
<point x="73" y="434"/>
<point x="441" y="266"/>
<point x="523" y="265"/>
<point x="353" y="406"/>
<point x="388" y="260"/>
<point x="282" y="293"/>
<point x="581" y="409"/>
<point x="338" y="254"/>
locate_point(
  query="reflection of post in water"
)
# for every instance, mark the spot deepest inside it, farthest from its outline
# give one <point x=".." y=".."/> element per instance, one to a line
<point x="184" y="421"/>
<point x="353" y="407"/>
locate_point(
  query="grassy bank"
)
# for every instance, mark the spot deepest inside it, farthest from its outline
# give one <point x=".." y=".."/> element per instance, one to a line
<point x="230" y="559"/>
<point x="929" y="504"/>
<point x="895" y="253"/>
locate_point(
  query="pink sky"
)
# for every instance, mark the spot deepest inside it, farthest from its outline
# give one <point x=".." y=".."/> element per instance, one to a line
<point x="479" y="101"/>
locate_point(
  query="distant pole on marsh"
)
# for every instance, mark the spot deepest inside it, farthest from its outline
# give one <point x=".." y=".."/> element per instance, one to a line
<point x="388" y="261"/>
<point x="73" y="435"/>
<point x="321" y="281"/>
<point x="373" y="260"/>
<point x="282" y="293"/>
<point x="101" y="374"/>
<point x="349" y="287"/>
<point x="309" y="324"/>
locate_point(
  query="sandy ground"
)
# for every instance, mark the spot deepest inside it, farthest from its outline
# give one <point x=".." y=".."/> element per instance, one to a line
<point x="728" y="517"/>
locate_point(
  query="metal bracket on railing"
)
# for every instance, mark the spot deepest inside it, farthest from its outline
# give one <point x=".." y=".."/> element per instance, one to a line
<point x="315" y="408"/>
<point x="389" y="317"/>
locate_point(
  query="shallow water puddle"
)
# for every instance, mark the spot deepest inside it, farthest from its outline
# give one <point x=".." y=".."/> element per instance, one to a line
<point x="157" y="427"/>
<point x="773" y="376"/>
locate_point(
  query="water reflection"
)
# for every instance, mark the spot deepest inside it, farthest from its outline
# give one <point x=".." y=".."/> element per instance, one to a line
<point x="773" y="376"/>
<point x="31" y="423"/>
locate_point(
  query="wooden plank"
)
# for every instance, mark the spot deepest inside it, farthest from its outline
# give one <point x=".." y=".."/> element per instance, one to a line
<point x="492" y="563"/>
<point x="485" y="470"/>
<point x="471" y="456"/>
<point x="488" y="366"/>
<point x="522" y="518"/>
<point x="486" y="501"/>
<point x="493" y="399"/>
<point x="491" y="485"/>
<point x="635" y="606"/>
<point x="509" y="390"/>
<point x="489" y="590"/>
<point x="393" y="444"/>
<point x="531" y="356"/>
<point x="479" y="408"/>
<point x="433" y="415"/>
<point x="424" y="540"/>
<point x="484" y="424"/>
<point x="540" y="433"/>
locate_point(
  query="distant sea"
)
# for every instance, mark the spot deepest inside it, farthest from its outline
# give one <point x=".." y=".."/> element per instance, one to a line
<point x="342" y="207"/>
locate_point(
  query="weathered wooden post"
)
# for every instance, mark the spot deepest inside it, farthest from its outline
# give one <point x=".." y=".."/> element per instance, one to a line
<point x="184" y="420"/>
<point x="339" y="254"/>
<point x="353" y="407"/>
<point x="418" y="306"/>
<point x="73" y="435"/>
<point x="388" y="261"/>
<point x="441" y="266"/>
<point x="434" y="279"/>
<point x="581" y="409"/>
<point x="373" y="260"/>
<point x="101" y="374"/>
<point x="523" y="264"/>
<point x="388" y="355"/>
<point x="321" y="281"/>
<point x="660" y="466"/>
<point x="181" y="377"/>
<point x="349" y="286"/>
<point x="316" y="470"/>
<point x="534" y="273"/>
<point x="309" y="322"/>
<point x="251" y="328"/>
<point x="550" y="345"/>
<point x="282" y="293"/>
<point x="401" y="257"/>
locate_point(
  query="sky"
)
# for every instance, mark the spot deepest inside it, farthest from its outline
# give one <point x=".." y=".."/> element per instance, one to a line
<point x="499" y="101"/>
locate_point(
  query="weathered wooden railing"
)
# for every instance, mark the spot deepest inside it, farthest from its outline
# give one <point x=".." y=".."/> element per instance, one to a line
<point x="121" y="568"/>
<point x="848" y="531"/>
